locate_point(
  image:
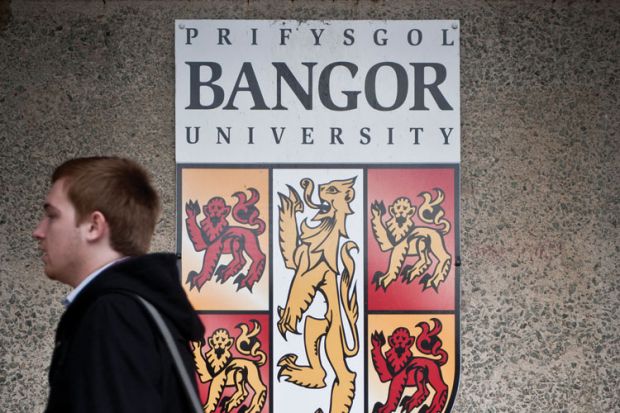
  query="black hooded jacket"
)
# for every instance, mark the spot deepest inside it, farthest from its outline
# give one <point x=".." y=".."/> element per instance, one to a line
<point x="109" y="354"/>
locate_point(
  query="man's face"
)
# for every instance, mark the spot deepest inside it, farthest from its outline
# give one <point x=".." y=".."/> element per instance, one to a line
<point x="60" y="237"/>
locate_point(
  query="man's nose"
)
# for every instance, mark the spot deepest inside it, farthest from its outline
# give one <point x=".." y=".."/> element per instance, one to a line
<point x="38" y="232"/>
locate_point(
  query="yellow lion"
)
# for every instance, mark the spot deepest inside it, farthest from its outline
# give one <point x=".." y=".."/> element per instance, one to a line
<point x="219" y="367"/>
<point x="312" y="252"/>
<point x="401" y="236"/>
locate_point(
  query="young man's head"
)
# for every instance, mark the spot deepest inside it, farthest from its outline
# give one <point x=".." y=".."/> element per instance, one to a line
<point x="98" y="209"/>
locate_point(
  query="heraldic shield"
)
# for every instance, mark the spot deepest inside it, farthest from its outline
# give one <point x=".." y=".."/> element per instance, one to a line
<point x="323" y="288"/>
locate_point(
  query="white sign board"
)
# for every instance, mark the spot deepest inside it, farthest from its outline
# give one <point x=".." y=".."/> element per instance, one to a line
<point x="282" y="91"/>
<point x="318" y="177"/>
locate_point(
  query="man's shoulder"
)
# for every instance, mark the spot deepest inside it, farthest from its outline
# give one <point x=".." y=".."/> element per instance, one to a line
<point x="116" y="303"/>
<point x="117" y="317"/>
<point x="109" y="310"/>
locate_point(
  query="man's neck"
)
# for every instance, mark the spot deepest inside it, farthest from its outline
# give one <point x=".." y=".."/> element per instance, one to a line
<point x="86" y="280"/>
<point x="98" y="260"/>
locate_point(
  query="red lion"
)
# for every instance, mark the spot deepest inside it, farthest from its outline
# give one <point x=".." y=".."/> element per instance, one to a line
<point x="215" y="236"/>
<point x="399" y="366"/>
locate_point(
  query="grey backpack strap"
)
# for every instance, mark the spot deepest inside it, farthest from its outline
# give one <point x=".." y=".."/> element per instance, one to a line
<point x="174" y="351"/>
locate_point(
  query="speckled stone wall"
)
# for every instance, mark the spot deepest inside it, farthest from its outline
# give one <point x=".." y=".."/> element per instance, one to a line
<point x="540" y="175"/>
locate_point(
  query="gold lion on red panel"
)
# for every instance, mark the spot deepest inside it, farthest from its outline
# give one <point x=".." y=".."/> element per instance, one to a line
<point x="403" y="239"/>
<point x="221" y="369"/>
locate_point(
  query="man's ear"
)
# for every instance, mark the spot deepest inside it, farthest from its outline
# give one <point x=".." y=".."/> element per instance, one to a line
<point x="96" y="226"/>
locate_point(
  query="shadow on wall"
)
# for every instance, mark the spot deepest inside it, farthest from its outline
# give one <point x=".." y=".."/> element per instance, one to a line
<point x="5" y="14"/>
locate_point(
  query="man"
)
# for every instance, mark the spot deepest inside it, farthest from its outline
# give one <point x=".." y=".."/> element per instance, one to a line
<point x="99" y="217"/>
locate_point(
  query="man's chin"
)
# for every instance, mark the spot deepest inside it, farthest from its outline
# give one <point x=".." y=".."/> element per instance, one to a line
<point x="49" y="273"/>
<point x="60" y="277"/>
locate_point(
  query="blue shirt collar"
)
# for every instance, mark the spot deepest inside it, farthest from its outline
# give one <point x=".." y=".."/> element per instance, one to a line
<point x="77" y="290"/>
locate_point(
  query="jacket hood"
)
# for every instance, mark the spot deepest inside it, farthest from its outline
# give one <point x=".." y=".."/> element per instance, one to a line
<point x="155" y="278"/>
